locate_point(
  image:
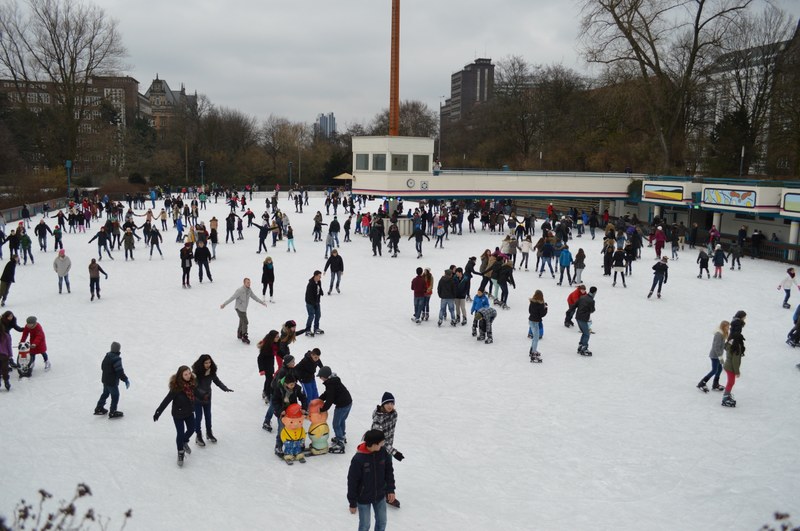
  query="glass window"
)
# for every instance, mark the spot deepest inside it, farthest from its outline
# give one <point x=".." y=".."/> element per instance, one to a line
<point x="399" y="162"/>
<point x="362" y="161"/>
<point x="421" y="163"/>
<point x="379" y="162"/>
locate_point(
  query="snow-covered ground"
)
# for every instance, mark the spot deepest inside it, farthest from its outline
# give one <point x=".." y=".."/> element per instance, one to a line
<point x="621" y="440"/>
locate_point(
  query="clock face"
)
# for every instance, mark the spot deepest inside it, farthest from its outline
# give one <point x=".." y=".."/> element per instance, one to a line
<point x="410" y="183"/>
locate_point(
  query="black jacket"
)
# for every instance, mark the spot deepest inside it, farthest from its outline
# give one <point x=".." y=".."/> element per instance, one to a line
<point x="661" y="270"/>
<point x="370" y="477"/>
<point x="202" y="255"/>
<point x="306" y="368"/>
<point x="584" y="308"/>
<point x="461" y="286"/>
<point x="446" y="289"/>
<point x="203" y="392"/>
<point x="335" y="394"/>
<point x="9" y="271"/>
<point x="182" y="407"/>
<point x="283" y="398"/>
<point x="506" y="275"/>
<point x="112" y="369"/>
<point x="536" y="310"/>
<point x="336" y="264"/>
<point x="313" y="291"/>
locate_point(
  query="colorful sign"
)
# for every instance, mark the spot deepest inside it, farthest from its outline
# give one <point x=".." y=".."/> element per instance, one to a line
<point x="729" y="197"/>
<point x="791" y="202"/>
<point x="663" y="192"/>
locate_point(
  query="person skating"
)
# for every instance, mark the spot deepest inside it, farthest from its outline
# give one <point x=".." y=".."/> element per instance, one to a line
<point x="537" y="309"/>
<point x="205" y="371"/>
<point x="155" y="242"/>
<point x="94" y="278"/>
<point x="336" y="265"/>
<point x="267" y="355"/>
<point x="202" y="256"/>
<point x="242" y="297"/>
<point x="370" y="481"/>
<point x="34" y="334"/>
<point x="6" y="355"/>
<point x="112" y="374"/>
<point x="187" y="257"/>
<point x="565" y="262"/>
<point x="384" y="418"/>
<point x="717" y="351"/>
<point x="336" y="394"/>
<point x="446" y="291"/>
<point x="505" y="276"/>
<point x="786" y="284"/>
<point x="418" y="286"/>
<point x="182" y="389"/>
<point x="618" y="262"/>
<point x="702" y="259"/>
<point x="584" y="307"/>
<point x="719" y="260"/>
<point x="418" y="234"/>
<point x="129" y="243"/>
<point x="484" y="318"/>
<point x="286" y="392"/>
<point x="25" y="244"/>
<point x="61" y="265"/>
<point x="313" y="296"/>
<point x="41" y="230"/>
<point x="572" y="298"/>
<point x="660" y="276"/>
<point x="461" y="285"/>
<point x="102" y="243"/>
<point x="305" y="370"/>
<point x="267" y="277"/>
<point x="735" y="351"/>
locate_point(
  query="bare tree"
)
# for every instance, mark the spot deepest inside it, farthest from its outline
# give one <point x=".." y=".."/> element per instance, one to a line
<point x="416" y="119"/>
<point x="668" y="43"/>
<point x="65" y="43"/>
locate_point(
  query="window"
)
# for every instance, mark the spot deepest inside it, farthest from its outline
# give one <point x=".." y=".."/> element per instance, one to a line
<point x="31" y="97"/>
<point x="421" y="163"/>
<point x="399" y="162"/>
<point x="379" y="162"/>
<point x="44" y="97"/>
<point x="362" y="161"/>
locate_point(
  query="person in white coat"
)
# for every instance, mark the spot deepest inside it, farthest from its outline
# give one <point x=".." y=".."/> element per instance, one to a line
<point x="61" y="265"/>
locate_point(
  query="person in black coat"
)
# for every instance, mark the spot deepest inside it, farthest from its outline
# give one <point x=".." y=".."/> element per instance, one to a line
<point x="112" y="373"/>
<point x="305" y="370"/>
<point x="336" y="394"/>
<point x="313" y="296"/>
<point x="202" y="256"/>
<point x="370" y="480"/>
<point x="446" y="291"/>
<point x="336" y="265"/>
<point x="660" y="276"/>
<point x="8" y="277"/>
<point x="182" y="388"/>
<point x="584" y="307"/>
<point x="205" y="371"/>
<point x="187" y="256"/>
<point x="469" y="272"/>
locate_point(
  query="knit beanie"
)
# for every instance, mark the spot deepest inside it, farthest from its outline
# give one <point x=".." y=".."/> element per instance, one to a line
<point x="387" y="397"/>
<point x="325" y="372"/>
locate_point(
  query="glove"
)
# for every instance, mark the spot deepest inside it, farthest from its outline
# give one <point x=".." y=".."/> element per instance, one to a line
<point x="398" y="455"/>
<point x="155" y="417"/>
<point x="128" y="384"/>
<point x="261" y="373"/>
<point x="106" y="277"/>
<point x="228" y="390"/>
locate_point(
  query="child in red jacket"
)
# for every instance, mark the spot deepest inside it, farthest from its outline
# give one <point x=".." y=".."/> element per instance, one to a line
<point x="37" y="340"/>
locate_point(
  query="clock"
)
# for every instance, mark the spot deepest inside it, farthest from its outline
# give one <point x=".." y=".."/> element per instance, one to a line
<point x="410" y="183"/>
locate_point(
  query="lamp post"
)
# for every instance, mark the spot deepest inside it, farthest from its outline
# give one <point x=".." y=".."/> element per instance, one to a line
<point x="68" y="165"/>
<point x="741" y="163"/>
<point x="441" y="124"/>
<point x="202" y="174"/>
<point x="290" y="174"/>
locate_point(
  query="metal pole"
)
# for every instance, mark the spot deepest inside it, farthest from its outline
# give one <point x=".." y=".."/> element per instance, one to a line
<point x="69" y="176"/>
<point x="741" y="163"/>
<point x="202" y="173"/>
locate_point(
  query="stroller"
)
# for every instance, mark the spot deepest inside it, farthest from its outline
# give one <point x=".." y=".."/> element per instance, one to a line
<point x="25" y="360"/>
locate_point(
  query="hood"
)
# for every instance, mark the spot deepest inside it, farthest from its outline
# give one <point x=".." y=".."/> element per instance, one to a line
<point x="362" y="448"/>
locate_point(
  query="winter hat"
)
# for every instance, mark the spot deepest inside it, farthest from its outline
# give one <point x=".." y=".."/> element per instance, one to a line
<point x="115" y="347"/>
<point x="660" y="228"/>
<point x="718" y="247"/>
<point x="31" y="320"/>
<point x="387" y="397"/>
<point x="290" y="324"/>
<point x="61" y="252"/>
<point x="287" y="359"/>
<point x="324" y="372"/>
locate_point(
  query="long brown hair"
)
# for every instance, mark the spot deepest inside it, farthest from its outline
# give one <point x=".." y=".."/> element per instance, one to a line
<point x="538" y="296"/>
<point x="176" y="381"/>
<point x="725" y="328"/>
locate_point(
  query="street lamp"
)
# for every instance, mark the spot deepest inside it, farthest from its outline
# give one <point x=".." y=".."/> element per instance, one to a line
<point x="68" y="164"/>
<point x="290" y="174"/>
<point x="441" y="123"/>
<point x="202" y="174"/>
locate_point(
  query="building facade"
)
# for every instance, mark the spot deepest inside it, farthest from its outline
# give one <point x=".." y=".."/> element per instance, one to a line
<point x="470" y="87"/>
<point x="325" y="126"/>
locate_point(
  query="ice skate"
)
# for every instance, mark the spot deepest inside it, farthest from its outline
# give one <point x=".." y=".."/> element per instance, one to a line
<point x="199" y="440"/>
<point x="181" y="455"/>
<point x="266" y="426"/>
<point x="489" y="340"/>
<point x="728" y="401"/>
<point x="787" y="305"/>
<point x="481" y="337"/>
<point x="717" y="387"/>
<point x="210" y="436"/>
<point x="115" y="414"/>
<point x="702" y="386"/>
<point x="649" y="294"/>
<point x="100" y="411"/>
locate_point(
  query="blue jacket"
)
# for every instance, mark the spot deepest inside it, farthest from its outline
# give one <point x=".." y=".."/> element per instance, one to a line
<point x="479" y="302"/>
<point x="565" y="259"/>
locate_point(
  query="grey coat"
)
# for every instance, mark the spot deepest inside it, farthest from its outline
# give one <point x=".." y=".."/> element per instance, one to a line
<point x="242" y="297"/>
<point x="717" y="345"/>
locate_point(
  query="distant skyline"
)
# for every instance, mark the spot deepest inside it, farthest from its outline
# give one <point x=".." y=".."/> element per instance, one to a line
<point x="297" y="60"/>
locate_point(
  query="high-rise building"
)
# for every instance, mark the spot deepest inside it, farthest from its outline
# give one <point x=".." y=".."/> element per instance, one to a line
<point x="325" y="126"/>
<point x="470" y="87"/>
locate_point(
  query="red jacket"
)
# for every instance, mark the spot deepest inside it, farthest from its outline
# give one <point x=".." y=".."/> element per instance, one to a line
<point x="419" y="285"/>
<point x="574" y="296"/>
<point x="37" y="339"/>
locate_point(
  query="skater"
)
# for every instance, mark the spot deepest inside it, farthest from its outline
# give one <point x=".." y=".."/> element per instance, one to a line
<point x="41" y="230"/>
<point x="61" y="265"/>
<point x="336" y="394"/>
<point x="336" y="264"/>
<point x="572" y="298"/>
<point x="94" y="278"/>
<point x="446" y="291"/>
<point x="267" y="277"/>
<point x="33" y="333"/>
<point x="505" y="276"/>
<point x="313" y="296"/>
<point x="735" y="255"/>
<point x="384" y="418"/>
<point x="129" y="243"/>
<point x="735" y="351"/>
<point x="719" y="261"/>
<point x="242" y="297"/>
<point x="202" y="256"/>
<point x="182" y="389"/>
<point x="155" y="242"/>
<point x="112" y="374"/>
<point x="370" y="481"/>
<point x="537" y="309"/>
<point x="787" y="286"/>
<point x="461" y="284"/>
<point x="418" y="286"/>
<point x="660" y="276"/>
<point x="186" y="256"/>
<point x="580" y="265"/>
<point x="565" y="261"/>
<point x="618" y="262"/>
<point x="418" y="234"/>
<point x="720" y="337"/>
<point x="483" y="321"/>
<point x="267" y="355"/>
<point x="205" y="371"/>
<point x="702" y="259"/>
<point x="6" y="355"/>
<point x="304" y="372"/>
<point x="102" y="243"/>
<point x="584" y="308"/>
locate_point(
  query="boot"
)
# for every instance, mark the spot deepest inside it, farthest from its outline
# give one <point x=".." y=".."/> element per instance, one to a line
<point x="717" y="386"/>
<point x="238" y="334"/>
<point x="115" y="414"/>
<point x="181" y="455"/>
<point x="245" y="339"/>
<point x="210" y="435"/>
<point x="199" y="439"/>
<point x="100" y="411"/>
<point x="187" y="448"/>
<point x="8" y="385"/>
<point x="702" y="386"/>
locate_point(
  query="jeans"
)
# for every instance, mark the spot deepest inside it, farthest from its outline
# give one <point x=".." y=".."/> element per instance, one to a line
<point x="184" y="428"/>
<point x="444" y="306"/>
<point x="534" y="329"/>
<point x="65" y="280"/>
<point x="199" y="410"/>
<point x="419" y="305"/>
<point x="339" y="417"/>
<point x="788" y="293"/>
<point x="657" y="280"/>
<point x="547" y="260"/>
<point x="584" y="328"/>
<point x="716" y="370"/>
<point x="314" y="313"/>
<point x="113" y="392"/>
<point x="337" y="276"/>
<point x="364" y="514"/>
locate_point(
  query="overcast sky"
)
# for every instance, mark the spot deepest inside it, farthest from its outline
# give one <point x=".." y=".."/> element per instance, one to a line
<point x="299" y="59"/>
